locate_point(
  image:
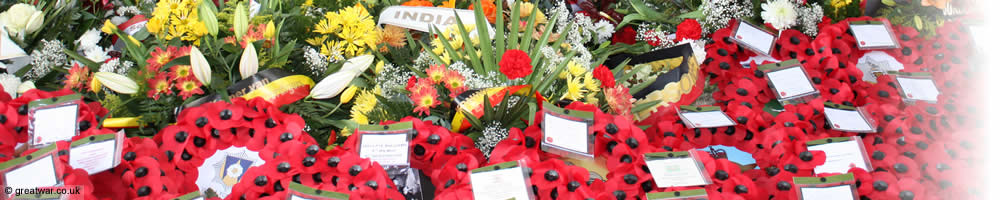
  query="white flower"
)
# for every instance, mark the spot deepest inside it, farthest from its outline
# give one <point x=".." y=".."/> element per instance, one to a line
<point x="10" y="84"/>
<point x="336" y="82"/>
<point x="25" y="86"/>
<point x="200" y="68"/>
<point x="780" y="13"/>
<point x="118" y="20"/>
<point x="117" y="82"/>
<point x="248" y="62"/>
<point x="96" y="54"/>
<point x="604" y="29"/>
<point x="89" y="39"/>
<point x="22" y="19"/>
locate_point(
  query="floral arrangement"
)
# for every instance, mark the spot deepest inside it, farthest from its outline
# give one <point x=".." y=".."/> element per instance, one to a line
<point x="287" y="84"/>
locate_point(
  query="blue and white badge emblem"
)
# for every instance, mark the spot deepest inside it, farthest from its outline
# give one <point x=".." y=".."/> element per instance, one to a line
<point x="225" y="168"/>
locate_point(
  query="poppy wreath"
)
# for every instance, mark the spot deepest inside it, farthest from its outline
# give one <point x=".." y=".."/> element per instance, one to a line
<point x="920" y="150"/>
<point x="14" y="120"/>
<point x="276" y="137"/>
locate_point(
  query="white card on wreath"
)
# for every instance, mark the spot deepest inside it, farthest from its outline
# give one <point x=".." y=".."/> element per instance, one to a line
<point x="790" y="82"/>
<point x="874" y="35"/>
<point x="36" y="173"/>
<point x="386" y="149"/>
<point x="54" y="124"/>
<point x="754" y="38"/>
<point x="708" y="119"/>
<point x="918" y="88"/>
<point x="841" y="192"/>
<point x="840" y="157"/>
<point x="499" y="184"/>
<point x="566" y="133"/>
<point x="98" y="154"/>
<point x="847" y="120"/>
<point x="676" y="172"/>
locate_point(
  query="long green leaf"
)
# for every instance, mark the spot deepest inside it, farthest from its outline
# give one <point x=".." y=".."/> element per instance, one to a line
<point x="629" y="18"/>
<point x="485" y="43"/>
<point x="515" y="24"/>
<point x="90" y="64"/>
<point x="469" y="49"/>
<point x="562" y="66"/>
<point x="498" y="34"/>
<point x="562" y="37"/>
<point x="543" y="40"/>
<point x="435" y="56"/>
<point x="478" y="67"/>
<point x="528" y="29"/>
<point x="644" y="106"/>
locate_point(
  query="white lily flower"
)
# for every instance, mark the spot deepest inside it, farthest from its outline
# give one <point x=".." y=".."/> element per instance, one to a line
<point x="248" y="62"/>
<point x="200" y="68"/>
<point x="335" y="83"/>
<point x="117" y="82"/>
<point x="25" y="86"/>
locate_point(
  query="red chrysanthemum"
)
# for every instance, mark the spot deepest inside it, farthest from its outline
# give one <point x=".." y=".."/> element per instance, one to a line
<point x="688" y="29"/>
<point x="604" y="74"/>
<point x="515" y="64"/>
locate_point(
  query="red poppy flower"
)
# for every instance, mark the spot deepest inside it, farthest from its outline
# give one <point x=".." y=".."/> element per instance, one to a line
<point x="792" y="44"/>
<point x="515" y="64"/>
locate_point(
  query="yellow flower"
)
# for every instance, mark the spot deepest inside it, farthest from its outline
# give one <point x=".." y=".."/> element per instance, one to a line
<point x="379" y="66"/>
<point x="354" y="27"/>
<point x="837" y="4"/>
<point x="590" y="83"/>
<point x="109" y="27"/>
<point x="574" y="90"/>
<point x="330" y="48"/>
<point x="448" y="4"/>
<point x="269" y="31"/>
<point x="317" y="41"/>
<point x="308" y="3"/>
<point x="364" y="104"/>
<point x="348" y="94"/>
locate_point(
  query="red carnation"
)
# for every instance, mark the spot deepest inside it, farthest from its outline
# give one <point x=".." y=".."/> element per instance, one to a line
<point x="515" y="64"/>
<point x="626" y="35"/>
<point x="603" y="74"/>
<point x="688" y="29"/>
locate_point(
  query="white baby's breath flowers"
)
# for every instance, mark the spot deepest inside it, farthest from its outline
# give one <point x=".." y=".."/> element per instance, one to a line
<point x="719" y="12"/>
<point x="392" y="79"/>
<point x="809" y="17"/>
<point x="781" y="14"/>
<point x="318" y="62"/>
<point x="117" y="66"/>
<point x="50" y="55"/>
<point x="10" y="83"/>
<point x="493" y="133"/>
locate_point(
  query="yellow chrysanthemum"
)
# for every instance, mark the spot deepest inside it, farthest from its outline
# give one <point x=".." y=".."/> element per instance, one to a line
<point x="574" y="90"/>
<point x="363" y="104"/>
<point x="354" y="29"/>
<point x="590" y="83"/>
<point x="177" y="19"/>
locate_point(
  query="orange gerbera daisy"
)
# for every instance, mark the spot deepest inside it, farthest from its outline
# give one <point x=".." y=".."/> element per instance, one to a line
<point x="436" y="73"/>
<point x="455" y="83"/>
<point x="424" y="100"/>
<point x="77" y="77"/>
<point x="188" y="87"/>
<point x="158" y="58"/>
<point x="158" y="85"/>
<point x="180" y="71"/>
